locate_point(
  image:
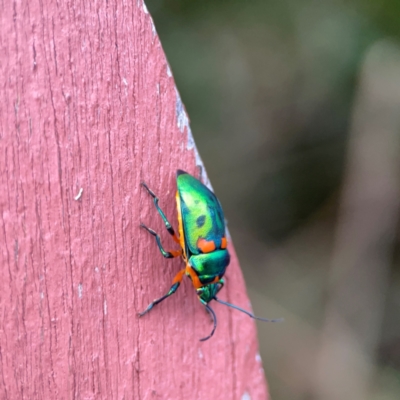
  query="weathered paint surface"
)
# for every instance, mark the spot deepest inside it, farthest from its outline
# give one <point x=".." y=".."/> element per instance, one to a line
<point x="88" y="109"/>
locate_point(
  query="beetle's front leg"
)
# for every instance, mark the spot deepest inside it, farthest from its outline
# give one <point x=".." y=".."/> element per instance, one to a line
<point x="221" y="283"/>
<point x="175" y="284"/>
<point x="166" y="254"/>
<point x="167" y="224"/>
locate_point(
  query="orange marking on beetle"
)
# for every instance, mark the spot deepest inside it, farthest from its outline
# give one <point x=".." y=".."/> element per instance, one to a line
<point x="206" y="246"/>
<point x="180" y="224"/>
<point x="176" y="253"/>
<point x="179" y="276"/>
<point x="224" y="243"/>
<point x="176" y="239"/>
<point x="195" y="279"/>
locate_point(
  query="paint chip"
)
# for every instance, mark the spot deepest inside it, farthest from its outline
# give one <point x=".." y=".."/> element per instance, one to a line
<point x="78" y="196"/>
<point x="169" y="73"/>
<point x="80" y="290"/>
<point x="246" y="396"/>
<point x="183" y="120"/>
<point x="259" y="361"/>
<point x="105" y="307"/>
<point x="153" y="27"/>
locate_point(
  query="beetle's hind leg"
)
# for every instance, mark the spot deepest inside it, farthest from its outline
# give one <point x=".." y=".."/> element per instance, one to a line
<point x="169" y="227"/>
<point x="175" y="284"/>
<point x="165" y="253"/>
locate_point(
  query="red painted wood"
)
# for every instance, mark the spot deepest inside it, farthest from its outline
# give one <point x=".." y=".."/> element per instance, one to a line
<point x="88" y="105"/>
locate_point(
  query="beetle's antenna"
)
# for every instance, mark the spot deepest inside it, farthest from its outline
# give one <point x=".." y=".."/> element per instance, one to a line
<point x="214" y="317"/>
<point x="247" y="312"/>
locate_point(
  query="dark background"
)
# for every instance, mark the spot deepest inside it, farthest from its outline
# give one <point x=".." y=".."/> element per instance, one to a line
<point x="294" y="106"/>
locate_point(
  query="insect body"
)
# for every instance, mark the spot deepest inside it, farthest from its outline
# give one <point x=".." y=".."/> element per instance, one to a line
<point x="202" y="240"/>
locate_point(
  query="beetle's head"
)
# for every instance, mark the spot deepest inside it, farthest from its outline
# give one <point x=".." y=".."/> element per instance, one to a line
<point x="208" y="292"/>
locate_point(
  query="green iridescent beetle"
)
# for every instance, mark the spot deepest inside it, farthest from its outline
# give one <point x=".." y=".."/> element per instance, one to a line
<point x="202" y="240"/>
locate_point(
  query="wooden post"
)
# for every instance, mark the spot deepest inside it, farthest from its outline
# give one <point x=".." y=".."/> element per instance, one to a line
<point x="89" y="109"/>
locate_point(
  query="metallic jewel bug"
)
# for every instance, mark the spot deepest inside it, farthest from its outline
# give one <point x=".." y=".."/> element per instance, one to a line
<point x="202" y="240"/>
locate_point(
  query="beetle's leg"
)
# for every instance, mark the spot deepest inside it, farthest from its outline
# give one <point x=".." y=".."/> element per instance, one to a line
<point x="193" y="277"/>
<point x="209" y="313"/>
<point x="166" y="254"/>
<point x="221" y="284"/>
<point x="175" y="284"/>
<point x="169" y="227"/>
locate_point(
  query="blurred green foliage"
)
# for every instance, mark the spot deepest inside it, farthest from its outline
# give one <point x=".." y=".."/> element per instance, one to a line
<point x="270" y="87"/>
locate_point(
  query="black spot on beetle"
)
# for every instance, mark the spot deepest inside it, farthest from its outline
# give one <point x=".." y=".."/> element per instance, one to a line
<point x="200" y="221"/>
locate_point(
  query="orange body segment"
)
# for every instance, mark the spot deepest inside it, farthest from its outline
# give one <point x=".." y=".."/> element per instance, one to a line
<point x="176" y="253"/>
<point x="195" y="279"/>
<point x="179" y="276"/>
<point x="181" y="239"/>
<point x="224" y="243"/>
<point x="176" y="239"/>
<point x="206" y="246"/>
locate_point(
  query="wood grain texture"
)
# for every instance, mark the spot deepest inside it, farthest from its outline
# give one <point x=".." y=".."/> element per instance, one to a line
<point x="88" y="106"/>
